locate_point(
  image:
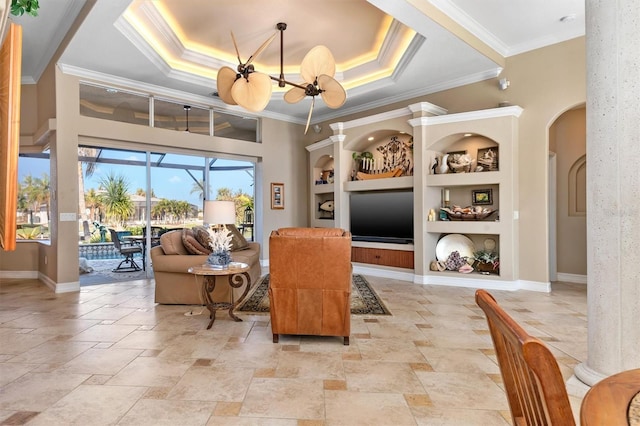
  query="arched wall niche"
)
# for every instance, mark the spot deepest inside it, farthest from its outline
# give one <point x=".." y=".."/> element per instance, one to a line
<point x="357" y="133"/>
<point x="323" y="169"/>
<point x="362" y="142"/>
<point x="578" y="187"/>
<point x="471" y="144"/>
<point x="386" y="151"/>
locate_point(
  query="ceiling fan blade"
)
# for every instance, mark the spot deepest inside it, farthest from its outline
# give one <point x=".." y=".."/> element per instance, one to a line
<point x="318" y="60"/>
<point x="313" y="101"/>
<point x="333" y="93"/>
<point x="260" y="49"/>
<point x="252" y="93"/>
<point x="226" y="78"/>
<point x="294" y="95"/>
<point x="235" y="45"/>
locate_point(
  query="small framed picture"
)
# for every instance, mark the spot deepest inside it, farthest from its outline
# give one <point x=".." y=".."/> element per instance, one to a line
<point x="481" y="196"/>
<point x="487" y="159"/>
<point x="277" y="196"/>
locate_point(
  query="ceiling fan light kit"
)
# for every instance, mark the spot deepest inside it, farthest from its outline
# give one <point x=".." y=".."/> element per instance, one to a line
<point x="252" y="90"/>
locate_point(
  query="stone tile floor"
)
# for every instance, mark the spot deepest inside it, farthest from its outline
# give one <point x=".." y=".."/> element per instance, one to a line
<point x="109" y="355"/>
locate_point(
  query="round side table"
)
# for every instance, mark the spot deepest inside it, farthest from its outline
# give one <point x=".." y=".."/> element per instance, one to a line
<point x="238" y="276"/>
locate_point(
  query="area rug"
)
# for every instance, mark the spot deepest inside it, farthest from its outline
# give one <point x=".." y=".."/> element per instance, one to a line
<point x="364" y="300"/>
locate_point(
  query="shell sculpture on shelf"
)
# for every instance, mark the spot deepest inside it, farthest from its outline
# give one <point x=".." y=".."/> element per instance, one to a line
<point x="327" y="206"/>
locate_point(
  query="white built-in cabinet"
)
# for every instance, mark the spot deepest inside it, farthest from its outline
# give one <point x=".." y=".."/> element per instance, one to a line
<point x="322" y="186"/>
<point x="434" y="133"/>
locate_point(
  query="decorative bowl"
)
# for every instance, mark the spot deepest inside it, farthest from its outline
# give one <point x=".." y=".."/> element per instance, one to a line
<point x="468" y="213"/>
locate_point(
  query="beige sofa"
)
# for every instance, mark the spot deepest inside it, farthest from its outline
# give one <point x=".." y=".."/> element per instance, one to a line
<point x="171" y="261"/>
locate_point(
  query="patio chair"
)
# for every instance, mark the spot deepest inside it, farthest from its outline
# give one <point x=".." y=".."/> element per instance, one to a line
<point x="127" y="250"/>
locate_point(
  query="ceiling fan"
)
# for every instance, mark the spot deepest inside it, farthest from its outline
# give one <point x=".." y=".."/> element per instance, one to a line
<point x="251" y="89"/>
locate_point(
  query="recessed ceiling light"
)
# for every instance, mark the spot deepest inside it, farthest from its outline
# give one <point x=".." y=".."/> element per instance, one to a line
<point x="370" y="138"/>
<point x="466" y="135"/>
<point x="568" y="18"/>
<point x="111" y="90"/>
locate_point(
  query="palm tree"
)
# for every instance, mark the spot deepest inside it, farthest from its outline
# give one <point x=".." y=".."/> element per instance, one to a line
<point x="198" y="188"/>
<point x="23" y="203"/>
<point x="241" y="200"/>
<point x="118" y="206"/>
<point x="94" y="203"/>
<point x="183" y="208"/>
<point x="163" y="210"/>
<point x="90" y="168"/>
<point x="36" y="193"/>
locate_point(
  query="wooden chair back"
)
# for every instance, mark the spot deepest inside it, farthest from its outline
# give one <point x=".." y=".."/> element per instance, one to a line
<point x="534" y="385"/>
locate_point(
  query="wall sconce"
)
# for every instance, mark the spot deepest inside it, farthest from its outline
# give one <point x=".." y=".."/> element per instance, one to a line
<point x="503" y="83"/>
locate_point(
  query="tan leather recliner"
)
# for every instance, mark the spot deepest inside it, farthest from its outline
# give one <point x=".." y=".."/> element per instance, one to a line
<point x="310" y="282"/>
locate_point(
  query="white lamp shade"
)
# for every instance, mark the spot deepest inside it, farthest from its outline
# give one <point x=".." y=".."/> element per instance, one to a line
<point x="218" y="212"/>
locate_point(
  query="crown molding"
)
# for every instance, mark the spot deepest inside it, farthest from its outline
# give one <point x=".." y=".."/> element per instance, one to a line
<point x="319" y="145"/>
<point x="464" y="20"/>
<point x="514" y="111"/>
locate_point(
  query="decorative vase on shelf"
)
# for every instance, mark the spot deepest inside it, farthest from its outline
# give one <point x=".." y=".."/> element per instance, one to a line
<point x="220" y="259"/>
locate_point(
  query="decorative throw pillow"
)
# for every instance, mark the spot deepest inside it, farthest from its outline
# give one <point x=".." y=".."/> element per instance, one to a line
<point x="202" y="235"/>
<point x="171" y="243"/>
<point x="238" y="242"/>
<point x="191" y="244"/>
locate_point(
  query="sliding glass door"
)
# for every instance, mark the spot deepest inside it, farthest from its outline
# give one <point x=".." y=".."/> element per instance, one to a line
<point x="142" y="194"/>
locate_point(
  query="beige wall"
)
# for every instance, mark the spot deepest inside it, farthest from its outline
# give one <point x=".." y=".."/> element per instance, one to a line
<point x="567" y="138"/>
<point x="285" y="160"/>
<point x="23" y="258"/>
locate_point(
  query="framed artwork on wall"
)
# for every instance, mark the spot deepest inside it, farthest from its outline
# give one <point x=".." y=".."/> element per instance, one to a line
<point x="488" y="159"/>
<point x="481" y="197"/>
<point x="277" y="196"/>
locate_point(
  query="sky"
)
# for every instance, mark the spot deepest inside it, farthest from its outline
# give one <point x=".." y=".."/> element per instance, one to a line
<point x="170" y="183"/>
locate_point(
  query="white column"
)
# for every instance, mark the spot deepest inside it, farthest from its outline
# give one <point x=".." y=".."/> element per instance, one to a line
<point x="613" y="188"/>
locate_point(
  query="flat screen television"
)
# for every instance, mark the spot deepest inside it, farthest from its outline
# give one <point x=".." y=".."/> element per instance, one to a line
<point x="382" y="216"/>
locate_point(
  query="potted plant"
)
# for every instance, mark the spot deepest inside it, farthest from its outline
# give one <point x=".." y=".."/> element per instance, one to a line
<point x="486" y="261"/>
<point x="20" y="7"/>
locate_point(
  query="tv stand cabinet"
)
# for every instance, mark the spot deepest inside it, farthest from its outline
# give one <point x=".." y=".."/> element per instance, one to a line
<point x="382" y="257"/>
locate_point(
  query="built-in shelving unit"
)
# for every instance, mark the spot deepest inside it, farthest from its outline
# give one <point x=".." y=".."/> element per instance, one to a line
<point x="322" y="161"/>
<point x="434" y="134"/>
<point x="473" y="133"/>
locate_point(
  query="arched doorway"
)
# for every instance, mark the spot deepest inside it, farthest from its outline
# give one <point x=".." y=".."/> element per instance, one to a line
<point x="567" y="197"/>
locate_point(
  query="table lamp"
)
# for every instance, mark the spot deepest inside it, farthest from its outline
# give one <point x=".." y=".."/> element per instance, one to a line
<point x="218" y="212"/>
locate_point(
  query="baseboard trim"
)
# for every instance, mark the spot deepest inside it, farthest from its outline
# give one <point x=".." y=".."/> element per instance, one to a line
<point x="488" y="284"/>
<point x="59" y="287"/>
<point x="396" y="274"/>
<point x="22" y="275"/>
<point x="571" y="278"/>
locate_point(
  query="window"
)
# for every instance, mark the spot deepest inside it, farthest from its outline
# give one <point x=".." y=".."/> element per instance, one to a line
<point x="34" y="197"/>
<point x="109" y="103"/>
